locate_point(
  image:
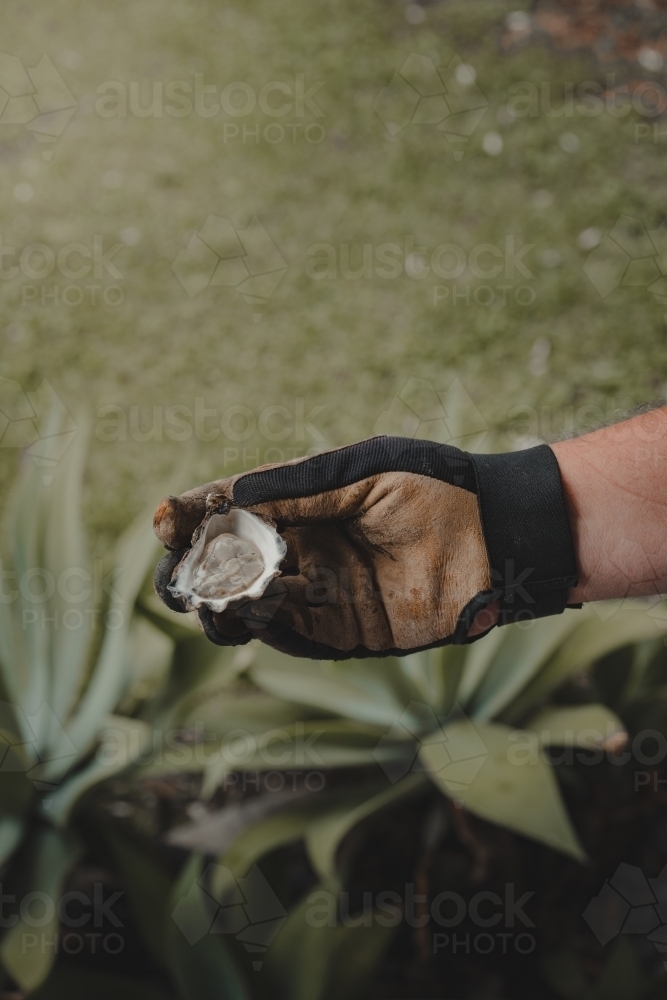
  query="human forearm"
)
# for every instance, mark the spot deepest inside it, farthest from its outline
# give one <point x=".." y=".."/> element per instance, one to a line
<point x="615" y="482"/>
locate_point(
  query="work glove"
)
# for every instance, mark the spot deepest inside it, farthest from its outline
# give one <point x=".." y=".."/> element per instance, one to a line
<point x="393" y="545"/>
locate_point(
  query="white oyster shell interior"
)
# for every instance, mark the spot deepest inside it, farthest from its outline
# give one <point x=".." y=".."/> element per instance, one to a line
<point x="236" y="556"/>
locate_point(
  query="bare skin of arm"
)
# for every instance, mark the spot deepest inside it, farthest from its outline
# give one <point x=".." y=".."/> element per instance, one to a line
<point x="615" y="482"/>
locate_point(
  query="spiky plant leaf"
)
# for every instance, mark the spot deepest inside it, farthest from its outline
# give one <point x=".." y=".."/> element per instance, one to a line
<point x="316" y="956"/>
<point x="578" y="725"/>
<point x="135" y="554"/>
<point x="593" y="637"/>
<point x="374" y="691"/>
<point x="51" y="856"/>
<point x="518" y="791"/>
<point x="265" y="836"/>
<point x="199" y="961"/>
<point x="122" y="742"/>
<point x="519" y="656"/>
<point x="48" y="625"/>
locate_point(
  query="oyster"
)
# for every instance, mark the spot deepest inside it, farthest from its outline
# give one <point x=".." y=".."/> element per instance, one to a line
<point x="234" y="555"/>
<point x="228" y="566"/>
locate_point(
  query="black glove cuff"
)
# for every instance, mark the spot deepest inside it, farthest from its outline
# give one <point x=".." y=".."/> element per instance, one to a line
<point x="527" y="532"/>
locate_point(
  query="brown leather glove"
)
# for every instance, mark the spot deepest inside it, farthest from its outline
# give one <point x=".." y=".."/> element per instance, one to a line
<point x="393" y="545"/>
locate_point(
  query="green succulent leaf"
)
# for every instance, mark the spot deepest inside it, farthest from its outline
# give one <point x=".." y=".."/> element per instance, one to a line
<point x="315" y="744"/>
<point x="375" y="691"/>
<point x="17" y="791"/>
<point x="174" y="624"/>
<point x="518" y="658"/>
<point x="200" y="672"/>
<point x="66" y="560"/>
<point x="498" y="774"/>
<point x="43" y="667"/>
<point x="136" y="552"/>
<point x="199" y="961"/>
<point x="122" y="742"/>
<point x="12" y="830"/>
<point x="51" y="855"/>
<point x="478" y="661"/>
<point x="597" y="634"/>
<point x="147" y="885"/>
<point x="251" y="845"/>
<point x="577" y="725"/>
<point x="324" y="959"/>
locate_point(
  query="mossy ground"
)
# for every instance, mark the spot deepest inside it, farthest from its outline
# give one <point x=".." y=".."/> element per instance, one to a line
<point x="347" y="346"/>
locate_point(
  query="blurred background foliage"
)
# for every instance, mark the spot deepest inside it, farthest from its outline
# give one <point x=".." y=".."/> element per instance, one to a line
<point x="141" y="778"/>
<point x="348" y="346"/>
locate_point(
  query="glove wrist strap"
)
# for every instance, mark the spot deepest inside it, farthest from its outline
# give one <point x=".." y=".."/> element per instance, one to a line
<point x="527" y="532"/>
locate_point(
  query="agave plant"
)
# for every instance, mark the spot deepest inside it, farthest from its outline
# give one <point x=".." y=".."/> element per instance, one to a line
<point x="66" y="664"/>
<point x="476" y="722"/>
<point x="466" y="718"/>
<point x="82" y="703"/>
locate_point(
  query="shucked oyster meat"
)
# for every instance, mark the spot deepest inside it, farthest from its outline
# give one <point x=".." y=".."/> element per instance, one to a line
<point x="228" y="566"/>
<point x="235" y="555"/>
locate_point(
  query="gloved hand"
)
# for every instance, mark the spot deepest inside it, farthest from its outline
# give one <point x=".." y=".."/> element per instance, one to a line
<point x="393" y="545"/>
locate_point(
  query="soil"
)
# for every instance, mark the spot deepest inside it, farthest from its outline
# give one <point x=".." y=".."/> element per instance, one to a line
<point x="613" y="30"/>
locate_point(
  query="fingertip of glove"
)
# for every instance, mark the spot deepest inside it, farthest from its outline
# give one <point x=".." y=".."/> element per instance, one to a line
<point x="205" y="616"/>
<point x="177" y="518"/>
<point x="162" y="578"/>
<point x="166" y="521"/>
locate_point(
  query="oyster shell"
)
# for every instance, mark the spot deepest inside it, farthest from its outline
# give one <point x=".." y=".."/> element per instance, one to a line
<point x="234" y="555"/>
